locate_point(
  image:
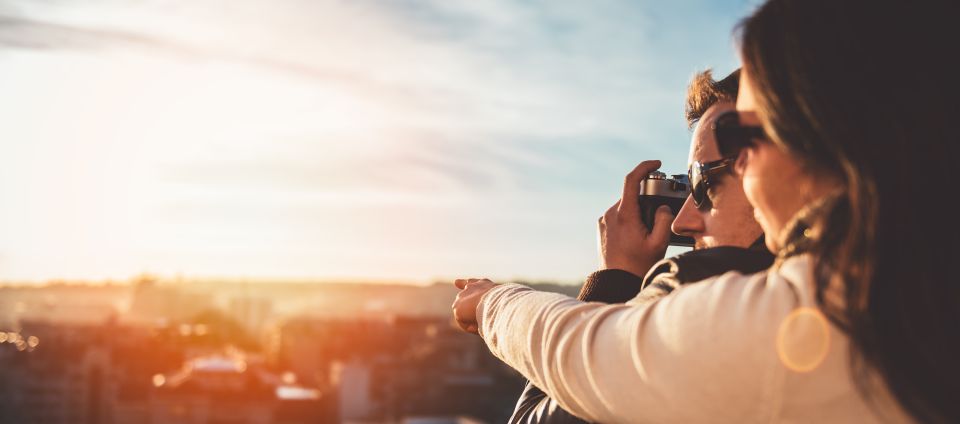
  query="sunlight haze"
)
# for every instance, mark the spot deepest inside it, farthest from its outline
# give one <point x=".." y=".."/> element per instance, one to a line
<point x="407" y="140"/>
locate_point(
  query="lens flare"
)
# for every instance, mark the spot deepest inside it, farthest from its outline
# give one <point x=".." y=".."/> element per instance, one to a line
<point x="803" y="339"/>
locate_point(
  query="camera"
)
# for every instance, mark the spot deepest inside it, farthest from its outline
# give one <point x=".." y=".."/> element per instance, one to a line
<point x="658" y="189"/>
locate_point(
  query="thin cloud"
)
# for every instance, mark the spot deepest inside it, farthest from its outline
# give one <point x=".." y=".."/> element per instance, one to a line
<point x="24" y="33"/>
<point x="334" y="132"/>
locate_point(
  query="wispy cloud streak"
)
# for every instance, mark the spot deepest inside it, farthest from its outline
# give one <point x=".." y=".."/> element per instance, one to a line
<point x="311" y="126"/>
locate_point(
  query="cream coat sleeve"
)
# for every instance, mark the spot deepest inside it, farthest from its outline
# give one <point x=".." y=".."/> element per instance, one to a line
<point x="705" y="353"/>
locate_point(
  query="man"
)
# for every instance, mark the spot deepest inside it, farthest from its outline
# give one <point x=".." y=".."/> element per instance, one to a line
<point x="726" y="235"/>
<point x="728" y="219"/>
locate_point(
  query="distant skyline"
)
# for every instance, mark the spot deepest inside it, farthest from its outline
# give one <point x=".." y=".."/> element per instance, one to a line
<point x="414" y="140"/>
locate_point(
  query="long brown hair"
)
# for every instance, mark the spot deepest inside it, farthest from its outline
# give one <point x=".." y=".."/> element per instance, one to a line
<point x="866" y="90"/>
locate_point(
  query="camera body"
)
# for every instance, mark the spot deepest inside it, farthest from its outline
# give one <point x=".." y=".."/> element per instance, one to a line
<point x="658" y="189"/>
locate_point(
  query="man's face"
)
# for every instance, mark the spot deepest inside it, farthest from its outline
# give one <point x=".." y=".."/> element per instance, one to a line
<point x="729" y="220"/>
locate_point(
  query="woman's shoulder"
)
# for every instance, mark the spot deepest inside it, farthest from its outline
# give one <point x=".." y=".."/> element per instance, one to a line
<point x="796" y="271"/>
<point x="789" y="280"/>
<point x="787" y="284"/>
<point x="734" y="313"/>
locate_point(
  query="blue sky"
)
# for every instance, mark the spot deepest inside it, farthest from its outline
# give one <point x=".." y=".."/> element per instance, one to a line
<point x="359" y="140"/>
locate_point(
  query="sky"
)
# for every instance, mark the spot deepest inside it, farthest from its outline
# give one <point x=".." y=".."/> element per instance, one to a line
<point x="407" y="140"/>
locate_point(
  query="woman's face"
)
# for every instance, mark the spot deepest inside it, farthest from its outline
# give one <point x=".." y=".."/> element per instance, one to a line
<point x="773" y="180"/>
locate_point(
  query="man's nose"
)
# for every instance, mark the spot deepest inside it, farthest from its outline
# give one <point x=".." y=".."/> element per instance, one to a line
<point x="688" y="222"/>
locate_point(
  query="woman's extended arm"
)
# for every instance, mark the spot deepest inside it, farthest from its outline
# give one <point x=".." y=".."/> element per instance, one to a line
<point x="705" y="353"/>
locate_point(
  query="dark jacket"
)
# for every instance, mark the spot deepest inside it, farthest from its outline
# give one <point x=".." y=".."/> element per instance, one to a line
<point x="618" y="286"/>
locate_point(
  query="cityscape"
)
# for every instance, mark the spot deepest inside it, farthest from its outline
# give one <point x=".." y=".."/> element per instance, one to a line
<point x="151" y="351"/>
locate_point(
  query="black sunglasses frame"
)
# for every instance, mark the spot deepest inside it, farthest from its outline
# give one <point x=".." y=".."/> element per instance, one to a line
<point x="702" y="176"/>
<point x="732" y="137"/>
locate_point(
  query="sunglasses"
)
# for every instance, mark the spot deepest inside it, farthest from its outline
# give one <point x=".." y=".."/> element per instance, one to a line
<point x="702" y="176"/>
<point x="731" y="138"/>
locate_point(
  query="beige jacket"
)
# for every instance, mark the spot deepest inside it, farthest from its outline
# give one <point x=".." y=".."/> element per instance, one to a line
<point x="731" y="349"/>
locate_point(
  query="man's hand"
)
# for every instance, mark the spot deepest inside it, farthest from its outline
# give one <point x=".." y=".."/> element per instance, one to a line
<point x="465" y="305"/>
<point x="625" y="242"/>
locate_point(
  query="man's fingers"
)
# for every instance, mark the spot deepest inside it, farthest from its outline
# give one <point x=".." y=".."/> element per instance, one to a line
<point x="611" y="214"/>
<point x="660" y="235"/>
<point x="631" y="186"/>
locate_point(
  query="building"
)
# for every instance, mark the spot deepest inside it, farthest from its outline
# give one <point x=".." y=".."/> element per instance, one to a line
<point x="253" y="313"/>
<point x="386" y="369"/>
<point x="116" y="374"/>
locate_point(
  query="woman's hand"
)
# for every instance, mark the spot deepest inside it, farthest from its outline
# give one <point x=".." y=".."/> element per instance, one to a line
<point x="625" y="242"/>
<point x="465" y="305"/>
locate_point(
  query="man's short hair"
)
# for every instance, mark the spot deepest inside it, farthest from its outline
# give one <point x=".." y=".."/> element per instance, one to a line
<point x="704" y="92"/>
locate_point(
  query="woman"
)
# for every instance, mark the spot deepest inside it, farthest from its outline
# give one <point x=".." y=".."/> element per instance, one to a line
<point x="843" y="142"/>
